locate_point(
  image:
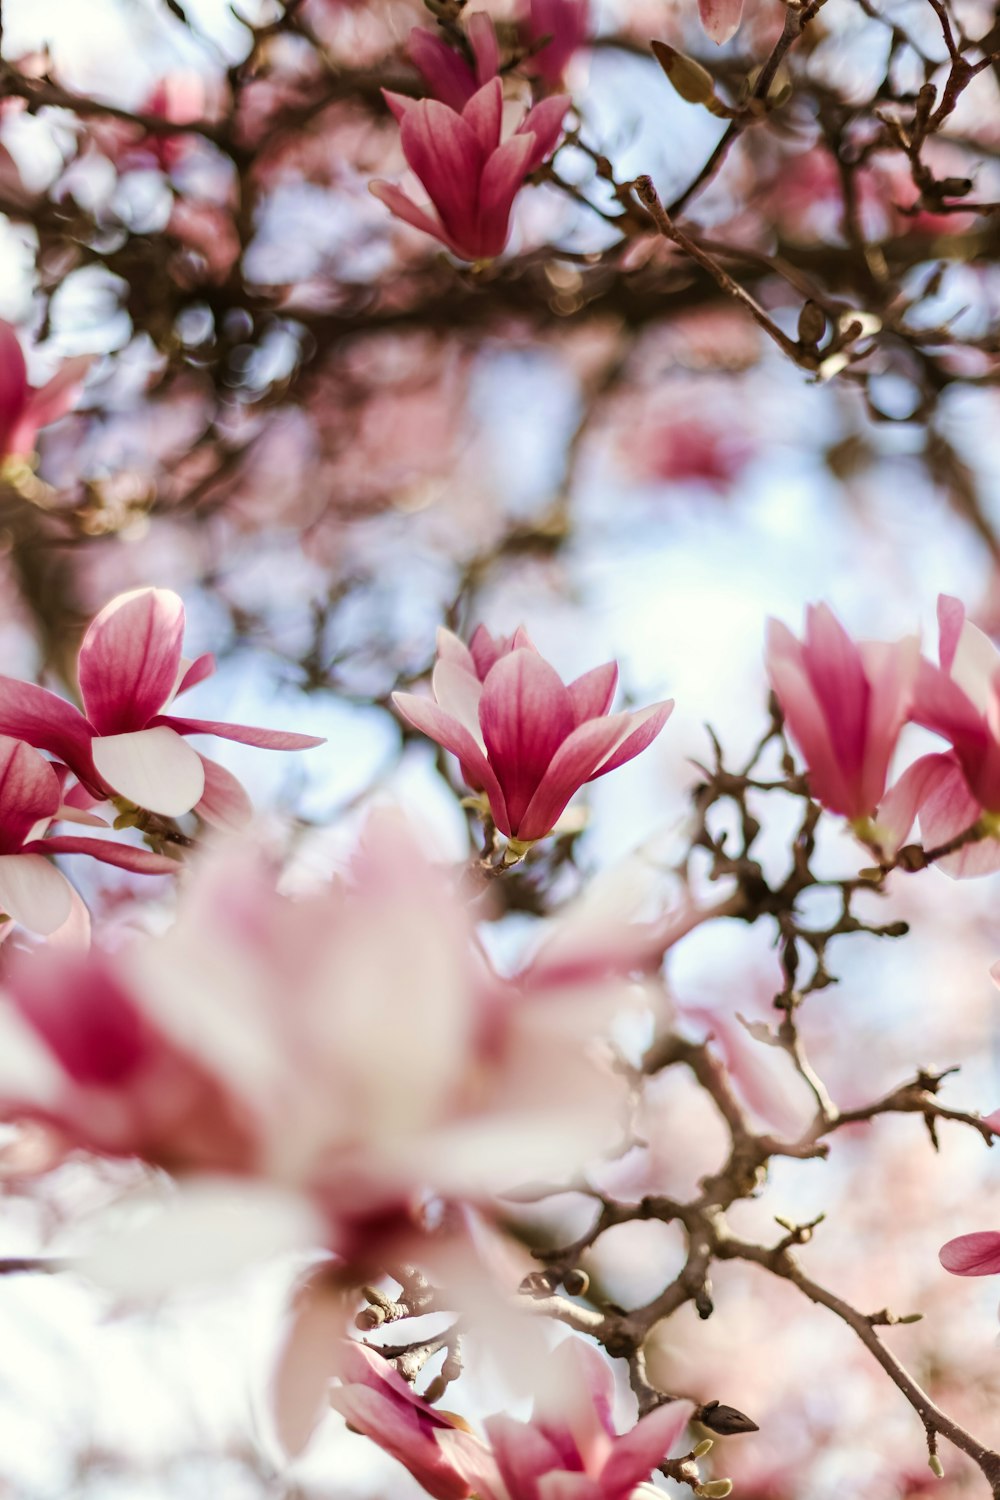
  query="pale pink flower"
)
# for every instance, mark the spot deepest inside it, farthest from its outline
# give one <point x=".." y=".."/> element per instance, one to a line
<point x="720" y="18"/>
<point x="469" y="171"/>
<point x="349" y="1046"/>
<point x="449" y="76"/>
<point x="32" y="891"/>
<point x="845" y="704"/>
<point x="523" y="737"/>
<point x="567" y="25"/>
<point x="24" y="411"/>
<point x="130" y="670"/>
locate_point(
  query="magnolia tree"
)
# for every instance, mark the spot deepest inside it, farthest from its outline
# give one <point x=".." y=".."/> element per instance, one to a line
<point x="484" y="1099"/>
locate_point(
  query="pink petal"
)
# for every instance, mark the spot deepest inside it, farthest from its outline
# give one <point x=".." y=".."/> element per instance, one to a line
<point x="560" y="1486"/>
<point x="523" y="1453"/>
<point x="29" y="792"/>
<point x="458" y="692"/>
<point x="398" y="203"/>
<point x="403" y="1435"/>
<point x="575" y="761"/>
<point x="484" y="113"/>
<point x="13" y="389"/>
<point x="307" y="1361"/>
<point x="647" y="723"/>
<point x="593" y="693"/>
<point x="52" y="400"/>
<point x="48" y="722"/>
<point x="898" y="810"/>
<point x="398" y="103"/>
<point x="640" y="1451"/>
<point x="123" y="856"/>
<point x="153" y="768"/>
<point x="244" y="734"/>
<point x="34" y="892"/>
<point x="485" y="47"/>
<point x="948" y="808"/>
<point x="891" y="670"/>
<point x="975" y="1254"/>
<point x="450" y="648"/>
<point x="951" y="618"/>
<point x="975" y="663"/>
<point x="502" y="177"/>
<point x="84" y="1016"/>
<point x="448" y="75"/>
<point x="720" y="18"/>
<point x="833" y="663"/>
<point x="129" y="659"/>
<point x="451" y="735"/>
<point x="446" y="155"/>
<point x="526" y="713"/>
<point x="224" y="802"/>
<point x="545" y="123"/>
<point x="806" y="720"/>
<point x="194" y="672"/>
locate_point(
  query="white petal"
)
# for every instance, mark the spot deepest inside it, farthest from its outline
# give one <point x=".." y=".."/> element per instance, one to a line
<point x="34" y="892"/>
<point x="154" y="768"/>
<point x="976" y="663"/>
<point x="458" y="693"/>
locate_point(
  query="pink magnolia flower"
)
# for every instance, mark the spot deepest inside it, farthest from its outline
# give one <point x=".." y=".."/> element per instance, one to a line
<point x="567" y="25"/>
<point x="449" y="76"/>
<point x="349" y="1047"/>
<point x="470" y="171"/>
<point x="523" y="737"/>
<point x="32" y="891"/>
<point x="568" y="1451"/>
<point x="720" y="18"/>
<point x="845" y="705"/>
<point x="130" y="670"/>
<point x="976" y="1254"/>
<point x="959" y="700"/>
<point x="24" y="411"/>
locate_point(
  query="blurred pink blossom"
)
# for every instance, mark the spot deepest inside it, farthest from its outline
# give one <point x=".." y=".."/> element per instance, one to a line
<point x="567" y="25"/>
<point x="449" y="76"/>
<point x="24" y="410"/>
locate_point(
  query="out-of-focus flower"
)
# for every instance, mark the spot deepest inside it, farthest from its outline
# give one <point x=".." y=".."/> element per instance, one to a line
<point x="690" y="451"/>
<point x="976" y="1254"/>
<point x="720" y="18"/>
<point x="130" y="669"/>
<point x="32" y="890"/>
<point x="845" y="704"/>
<point x="25" y="410"/>
<point x="449" y="76"/>
<point x="566" y="23"/>
<point x="470" y="171"/>
<point x="523" y="737"/>
<point x="350" y="1046"/>
<point x="568" y="1449"/>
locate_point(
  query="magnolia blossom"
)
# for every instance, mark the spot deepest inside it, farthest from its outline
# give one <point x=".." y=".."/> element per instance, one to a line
<point x="566" y="24"/>
<point x="25" y="410"/>
<point x="449" y="77"/>
<point x="960" y="700"/>
<point x="845" y="705"/>
<point x="568" y="1451"/>
<point x="32" y="890"/>
<point x="470" y="171"/>
<point x="289" y="1041"/>
<point x="130" y="670"/>
<point x="524" y="738"/>
<point x="720" y="18"/>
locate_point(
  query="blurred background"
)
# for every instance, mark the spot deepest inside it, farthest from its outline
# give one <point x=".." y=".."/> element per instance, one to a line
<point x="330" y="437"/>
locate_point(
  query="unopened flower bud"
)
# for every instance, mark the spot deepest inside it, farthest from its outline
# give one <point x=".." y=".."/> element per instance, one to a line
<point x="812" y="323"/>
<point x="705" y="1446"/>
<point x="689" y="79"/>
<point x="936" y="1466"/>
<point x="715" y="1489"/>
<point x="576" y="1283"/>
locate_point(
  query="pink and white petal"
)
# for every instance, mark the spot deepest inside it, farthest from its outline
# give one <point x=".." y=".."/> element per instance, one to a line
<point x="806" y="720"/>
<point x="593" y="693"/>
<point x="474" y="1461"/>
<point x="446" y="155"/>
<point x="224" y="802"/>
<point x="948" y="808"/>
<point x="74" y="934"/>
<point x="485" y="48"/>
<point x="402" y="1433"/>
<point x="458" y="692"/>
<point x="122" y="856"/>
<point x="950" y="618"/>
<point x="58" y="395"/>
<point x="129" y="659"/>
<point x="545" y="123"/>
<point x="562" y="1486"/>
<point x="639" y="1452"/>
<point x="154" y="768"/>
<point x="29" y="792"/>
<point x="573" y="764"/>
<point x="484" y="115"/>
<point x="67" y="813"/>
<point x="973" y="660"/>
<point x="646" y="724"/>
<point x="244" y="734"/>
<point x="502" y="176"/>
<point x="899" y="808"/>
<point x="526" y="714"/>
<point x="34" y="892"/>
<point x="308" y="1359"/>
<point x="403" y="206"/>
<point x="451" y="648"/>
<point x="976" y="1254"/>
<point x="48" y="722"/>
<point x="891" y="668"/>
<point x="439" y="726"/>
<point x="192" y="672"/>
<point x="720" y="18"/>
<point x="522" y="1451"/>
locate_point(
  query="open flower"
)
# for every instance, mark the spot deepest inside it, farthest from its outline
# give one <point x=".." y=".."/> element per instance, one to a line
<point x="130" y="669"/>
<point x="569" y="1448"/>
<point x="32" y="890"/>
<point x="845" y="705"/>
<point x="523" y="737"/>
<point x="25" y="410"/>
<point x="470" y="171"/>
